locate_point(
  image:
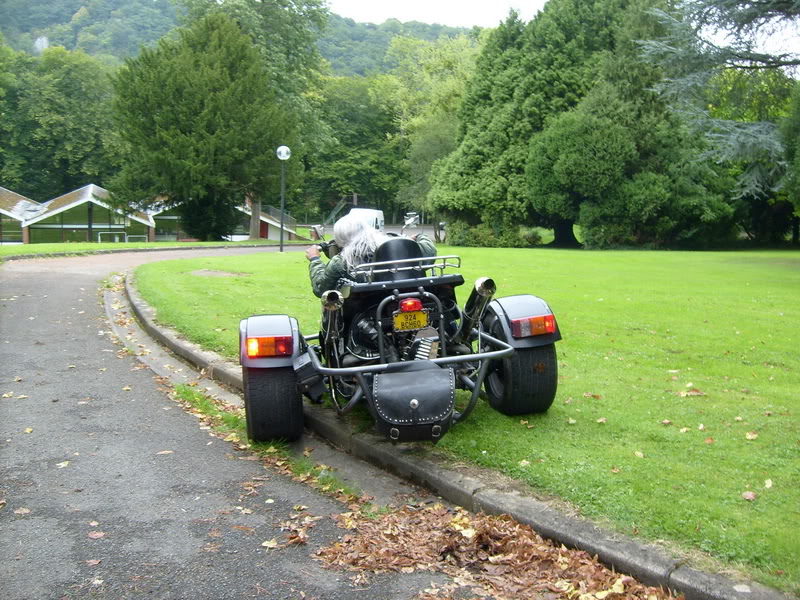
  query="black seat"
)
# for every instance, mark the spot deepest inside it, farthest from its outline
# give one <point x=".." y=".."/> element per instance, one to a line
<point x="394" y="249"/>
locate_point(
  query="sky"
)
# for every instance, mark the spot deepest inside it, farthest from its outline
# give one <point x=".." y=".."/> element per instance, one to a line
<point x="455" y="13"/>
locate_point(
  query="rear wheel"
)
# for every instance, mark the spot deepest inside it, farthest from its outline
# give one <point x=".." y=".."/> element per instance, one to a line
<point x="524" y="382"/>
<point x="272" y="403"/>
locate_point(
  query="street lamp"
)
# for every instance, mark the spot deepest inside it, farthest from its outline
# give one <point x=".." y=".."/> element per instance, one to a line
<point x="283" y="153"/>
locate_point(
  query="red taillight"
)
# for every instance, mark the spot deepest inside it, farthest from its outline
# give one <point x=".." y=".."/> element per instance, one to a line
<point x="529" y="326"/>
<point x="260" y="347"/>
<point x="410" y="305"/>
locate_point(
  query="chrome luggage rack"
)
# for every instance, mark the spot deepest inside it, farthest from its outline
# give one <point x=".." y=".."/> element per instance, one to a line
<point x="435" y="264"/>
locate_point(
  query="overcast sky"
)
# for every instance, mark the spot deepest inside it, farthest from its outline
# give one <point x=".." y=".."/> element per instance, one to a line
<point x="456" y="13"/>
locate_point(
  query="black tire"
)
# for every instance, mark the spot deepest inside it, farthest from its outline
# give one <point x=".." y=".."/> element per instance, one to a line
<point x="524" y="382"/>
<point x="273" y="405"/>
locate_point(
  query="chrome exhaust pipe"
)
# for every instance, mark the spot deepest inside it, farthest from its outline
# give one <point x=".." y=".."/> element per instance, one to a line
<point x="332" y="300"/>
<point x="482" y="293"/>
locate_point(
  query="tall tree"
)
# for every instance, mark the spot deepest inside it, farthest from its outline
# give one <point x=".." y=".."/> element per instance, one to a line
<point x="424" y="89"/>
<point x="692" y="55"/>
<point x="201" y="121"/>
<point x="524" y="75"/>
<point x="365" y="156"/>
<point x="54" y="134"/>
<point x="621" y="164"/>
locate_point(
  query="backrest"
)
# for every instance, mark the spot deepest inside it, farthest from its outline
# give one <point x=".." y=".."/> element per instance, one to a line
<point x="398" y="248"/>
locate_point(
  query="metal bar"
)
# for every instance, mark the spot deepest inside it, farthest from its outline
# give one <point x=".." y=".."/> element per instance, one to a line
<point x="505" y="350"/>
<point x="476" y="390"/>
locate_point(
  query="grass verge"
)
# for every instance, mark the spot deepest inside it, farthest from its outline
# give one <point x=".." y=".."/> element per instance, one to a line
<point x="677" y="396"/>
<point x="74" y="248"/>
<point x="230" y="425"/>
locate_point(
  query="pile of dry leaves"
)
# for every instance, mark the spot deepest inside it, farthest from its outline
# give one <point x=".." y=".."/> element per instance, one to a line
<point x="495" y="554"/>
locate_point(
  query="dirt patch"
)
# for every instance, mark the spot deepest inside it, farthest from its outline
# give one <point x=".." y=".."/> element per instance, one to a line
<point x="209" y="273"/>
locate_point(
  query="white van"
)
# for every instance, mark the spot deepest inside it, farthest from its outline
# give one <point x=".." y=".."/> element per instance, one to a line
<point x="370" y="215"/>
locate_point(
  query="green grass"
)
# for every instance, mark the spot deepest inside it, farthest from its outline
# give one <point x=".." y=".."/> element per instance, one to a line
<point x="90" y="247"/>
<point x="639" y="328"/>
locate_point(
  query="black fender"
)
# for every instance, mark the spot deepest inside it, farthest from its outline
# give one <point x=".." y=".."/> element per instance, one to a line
<point x="522" y="305"/>
<point x="266" y="326"/>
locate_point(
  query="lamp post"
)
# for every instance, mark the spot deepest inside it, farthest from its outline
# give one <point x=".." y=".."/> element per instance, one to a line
<point x="283" y="153"/>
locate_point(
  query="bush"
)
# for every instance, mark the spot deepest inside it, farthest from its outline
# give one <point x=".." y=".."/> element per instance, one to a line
<point x="460" y="233"/>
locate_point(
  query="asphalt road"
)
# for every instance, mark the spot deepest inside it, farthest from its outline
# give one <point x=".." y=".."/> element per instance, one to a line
<point x="111" y="490"/>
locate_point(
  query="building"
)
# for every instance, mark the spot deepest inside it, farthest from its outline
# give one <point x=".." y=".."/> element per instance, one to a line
<point x="168" y="228"/>
<point x="14" y="210"/>
<point x="85" y="215"/>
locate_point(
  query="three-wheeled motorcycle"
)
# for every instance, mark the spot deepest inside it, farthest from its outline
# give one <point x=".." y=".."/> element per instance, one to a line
<point x="395" y="338"/>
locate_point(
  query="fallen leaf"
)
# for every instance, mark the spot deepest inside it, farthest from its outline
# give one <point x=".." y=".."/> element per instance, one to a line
<point x="595" y="396"/>
<point x="749" y="496"/>
<point x="691" y="392"/>
<point x="21" y="397"/>
<point x="93" y="523"/>
<point x="165" y="452"/>
<point x="70" y="366"/>
<point x="684" y="429"/>
<point x="751" y="435"/>
<point x="602" y="420"/>
<point x="17" y="378"/>
<point x="768" y="483"/>
<point x="572" y="421"/>
<point x="93" y="563"/>
<point x="666" y="422"/>
<point x="28" y="430"/>
<point x="127" y="388"/>
<point x="273" y="543"/>
<point x="524" y="463"/>
<point x="710" y="440"/>
<point x="639" y="454"/>
<point x="61" y="465"/>
<point x="8" y="395"/>
<point x="269" y="501"/>
<point x="615" y="469"/>
<point x="96" y="535"/>
<point x="22" y="511"/>
<point x="738" y="419"/>
<point x="701" y="427"/>
<point x="523" y="422"/>
<point x="468" y="533"/>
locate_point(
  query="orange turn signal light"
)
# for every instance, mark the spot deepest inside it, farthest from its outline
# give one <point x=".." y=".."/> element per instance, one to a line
<point x="529" y="326"/>
<point x="264" y="347"/>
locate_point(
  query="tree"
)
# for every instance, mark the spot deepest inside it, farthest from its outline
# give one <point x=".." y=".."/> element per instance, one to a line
<point x="424" y="89"/>
<point x="791" y="140"/>
<point x="201" y="121"/>
<point x="692" y="56"/>
<point x="56" y="122"/>
<point x="621" y="164"/>
<point x="365" y="156"/>
<point x="524" y="75"/>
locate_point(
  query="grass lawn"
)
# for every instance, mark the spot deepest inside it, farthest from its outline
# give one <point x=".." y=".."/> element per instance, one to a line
<point x="90" y="247"/>
<point x="678" y="386"/>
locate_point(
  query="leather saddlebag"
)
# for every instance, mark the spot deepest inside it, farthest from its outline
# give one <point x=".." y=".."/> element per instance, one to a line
<point x="413" y="401"/>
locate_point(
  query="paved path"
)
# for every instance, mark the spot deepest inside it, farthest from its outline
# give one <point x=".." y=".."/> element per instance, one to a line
<point x="112" y="490"/>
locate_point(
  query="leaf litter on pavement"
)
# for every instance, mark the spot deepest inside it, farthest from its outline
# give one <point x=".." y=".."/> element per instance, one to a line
<point x="495" y="555"/>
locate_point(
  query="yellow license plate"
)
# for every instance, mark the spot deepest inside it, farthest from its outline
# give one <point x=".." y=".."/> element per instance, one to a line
<point x="409" y="321"/>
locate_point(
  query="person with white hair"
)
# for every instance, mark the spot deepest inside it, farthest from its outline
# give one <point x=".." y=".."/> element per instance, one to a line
<point x="357" y="241"/>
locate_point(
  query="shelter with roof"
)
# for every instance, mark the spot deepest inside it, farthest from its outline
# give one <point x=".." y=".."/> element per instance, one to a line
<point x="84" y="215"/>
<point x="14" y="211"/>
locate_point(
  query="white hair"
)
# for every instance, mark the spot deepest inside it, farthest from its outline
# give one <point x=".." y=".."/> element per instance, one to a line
<point x="357" y="239"/>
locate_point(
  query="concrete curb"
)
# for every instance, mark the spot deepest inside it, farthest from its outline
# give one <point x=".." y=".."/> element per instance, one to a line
<point x="647" y="563"/>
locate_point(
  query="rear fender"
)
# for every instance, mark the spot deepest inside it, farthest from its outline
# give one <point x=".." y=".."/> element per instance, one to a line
<point x="266" y="326"/>
<point x="522" y="305"/>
